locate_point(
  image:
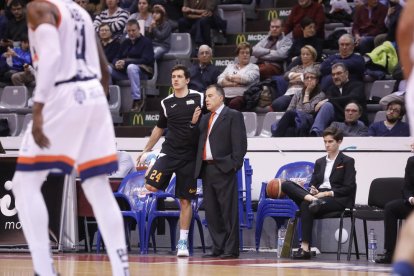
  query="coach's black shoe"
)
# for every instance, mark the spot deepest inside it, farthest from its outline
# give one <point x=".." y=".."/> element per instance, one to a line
<point x="386" y="258"/>
<point x="316" y="205"/>
<point x="226" y="256"/>
<point x="301" y="255"/>
<point x="211" y="255"/>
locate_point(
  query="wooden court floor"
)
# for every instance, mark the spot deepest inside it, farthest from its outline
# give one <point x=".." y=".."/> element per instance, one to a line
<point x="166" y="264"/>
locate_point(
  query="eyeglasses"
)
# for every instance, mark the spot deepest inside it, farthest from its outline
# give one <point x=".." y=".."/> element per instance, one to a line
<point x="393" y="110"/>
<point x="351" y="110"/>
<point x="310" y="78"/>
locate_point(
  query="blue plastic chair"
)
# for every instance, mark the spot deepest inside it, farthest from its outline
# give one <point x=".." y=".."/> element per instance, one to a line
<point x="153" y="213"/>
<point x="281" y="209"/>
<point x="133" y="195"/>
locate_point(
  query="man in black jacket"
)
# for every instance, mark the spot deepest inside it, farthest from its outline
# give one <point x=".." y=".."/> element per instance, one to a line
<point x="221" y="149"/>
<point x="332" y="188"/>
<point x="135" y="61"/>
<point x="337" y="97"/>
<point x="396" y="210"/>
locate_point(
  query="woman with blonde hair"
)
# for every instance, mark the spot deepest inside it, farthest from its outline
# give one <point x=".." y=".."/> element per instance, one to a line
<point x="295" y="76"/>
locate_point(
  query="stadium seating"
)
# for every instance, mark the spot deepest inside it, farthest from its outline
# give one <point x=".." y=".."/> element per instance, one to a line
<point x="235" y="17"/>
<point x="115" y="103"/>
<point x="14" y="99"/>
<point x="269" y="119"/>
<point x="27" y="119"/>
<point x="13" y="121"/>
<point x="250" y="120"/>
<point x="179" y="53"/>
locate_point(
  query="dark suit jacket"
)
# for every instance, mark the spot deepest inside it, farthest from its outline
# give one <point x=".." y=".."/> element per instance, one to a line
<point x="351" y="91"/>
<point x="228" y="141"/>
<point x="408" y="189"/>
<point x="342" y="178"/>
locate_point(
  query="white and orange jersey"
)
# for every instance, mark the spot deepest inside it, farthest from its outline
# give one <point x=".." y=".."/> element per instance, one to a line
<point x="77" y="39"/>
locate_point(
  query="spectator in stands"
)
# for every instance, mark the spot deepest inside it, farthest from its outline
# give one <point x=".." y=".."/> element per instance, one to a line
<point x="134" y="61"/>
<point x="354" y="62"/>
<point x="332" y="188"/>
<point x="110" y="44"/>
<point x="305" y="8"/>
<point x="15" y="59"/>
<point x="143" y="13"/>
<point x="16" y="29"/>
<point x="395" y="211"/>
<point x="84" y="4"/>
<point x="338" y="96"/>
<point x="392" y="126"/>
<point x="340" y="12"/>
<point x="351" y="126"/>
<point x="203" y="73"/>
<point x="298" y="118"/>
<point x="114" y="16"/>
<point x="160" y="32"/>
<point x="295" y="77"/>
<point x="25" y="78"/>
<point x="391" y="21"/>
<point x="272" y="51"/>
<point x="238" y="77"/>
<point x="309" y="38"/>
<point x="198" y="20"/>
<point x="369" y="21"/>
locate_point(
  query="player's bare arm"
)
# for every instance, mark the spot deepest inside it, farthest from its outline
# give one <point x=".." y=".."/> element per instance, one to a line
<point x="40" y="12"/>
<point x="155" y="136"/>
<point x="45" y="14"/>
<point x="405" y="37"/>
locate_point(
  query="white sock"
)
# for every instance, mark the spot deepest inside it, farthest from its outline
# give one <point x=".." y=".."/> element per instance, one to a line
<point x="34" y="218"/>
<point x="183" y="234"/>
<point x="108" y="215"/>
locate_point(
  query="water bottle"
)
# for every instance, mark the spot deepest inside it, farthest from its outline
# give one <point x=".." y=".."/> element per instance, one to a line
<point x="372" y="246"/>
<point x="281" y="234"/>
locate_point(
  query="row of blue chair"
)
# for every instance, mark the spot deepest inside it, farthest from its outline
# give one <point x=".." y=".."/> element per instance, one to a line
<point x="142" y="207"/>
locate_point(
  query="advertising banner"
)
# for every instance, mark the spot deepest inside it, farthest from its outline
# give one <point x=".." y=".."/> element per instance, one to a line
<point x="11" y="233"/>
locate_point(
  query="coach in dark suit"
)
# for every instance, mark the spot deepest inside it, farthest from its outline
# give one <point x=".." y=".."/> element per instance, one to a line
<point x="395" y="210"/>
<point x="221" y="150"/>
<point x="327" y="194"/>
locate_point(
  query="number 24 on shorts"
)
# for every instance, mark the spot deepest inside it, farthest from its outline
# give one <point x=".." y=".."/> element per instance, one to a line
<point x="155" y="175"/>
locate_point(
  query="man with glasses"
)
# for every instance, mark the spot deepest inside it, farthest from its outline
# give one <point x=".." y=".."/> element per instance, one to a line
<point x="272" y="51"/>
<point x="203" y="73"/>
<point x="338" y="96"/>
<point x="351" y="126"/>
<point x="355" y="63"/>
<point x="393" y="125"/>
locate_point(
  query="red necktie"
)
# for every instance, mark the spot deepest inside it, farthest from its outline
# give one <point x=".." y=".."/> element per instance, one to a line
<point x="210" y="121"/>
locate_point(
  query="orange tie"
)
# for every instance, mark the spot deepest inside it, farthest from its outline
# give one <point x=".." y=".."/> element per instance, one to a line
<point x="210" y="121"/>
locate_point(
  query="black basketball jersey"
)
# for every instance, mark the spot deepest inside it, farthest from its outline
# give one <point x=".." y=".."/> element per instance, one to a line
<point x="176" y="115"/>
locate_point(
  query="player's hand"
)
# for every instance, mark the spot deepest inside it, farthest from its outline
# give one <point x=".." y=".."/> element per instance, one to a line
<point x="141" y="163"/>
<point x="37" y="130"/>
<point x="196" y="115"/>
